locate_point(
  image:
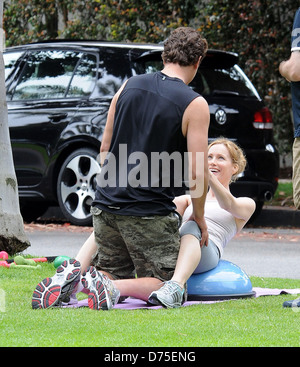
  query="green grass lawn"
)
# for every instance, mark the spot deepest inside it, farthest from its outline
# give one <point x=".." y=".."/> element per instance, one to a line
<point x="245" y="322"/>
<point x="283" y="195"/>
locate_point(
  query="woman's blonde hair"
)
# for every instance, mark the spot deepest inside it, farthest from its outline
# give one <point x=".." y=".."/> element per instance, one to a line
<point x="236" y="154"/>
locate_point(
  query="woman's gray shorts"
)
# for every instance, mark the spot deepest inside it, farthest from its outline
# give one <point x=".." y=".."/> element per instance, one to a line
<point x="210" y="254"/>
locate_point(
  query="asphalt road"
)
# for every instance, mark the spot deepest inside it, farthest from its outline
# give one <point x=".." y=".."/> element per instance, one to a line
<point x="264" y="252"/>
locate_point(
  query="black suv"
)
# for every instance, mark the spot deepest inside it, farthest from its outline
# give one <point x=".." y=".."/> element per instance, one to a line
<point x="58" y="95"/>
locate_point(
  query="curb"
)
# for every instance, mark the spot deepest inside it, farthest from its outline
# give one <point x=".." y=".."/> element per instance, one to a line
<point x="277" y="217"/>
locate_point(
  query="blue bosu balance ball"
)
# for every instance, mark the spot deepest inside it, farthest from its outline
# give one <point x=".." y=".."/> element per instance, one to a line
<point x="225" y="281"/>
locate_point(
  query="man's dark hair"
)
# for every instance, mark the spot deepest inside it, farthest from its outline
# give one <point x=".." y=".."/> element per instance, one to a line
<point x="184" y="46"/>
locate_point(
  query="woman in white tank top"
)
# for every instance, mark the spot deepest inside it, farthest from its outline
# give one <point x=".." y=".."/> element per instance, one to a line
<point x="225" y="215"/>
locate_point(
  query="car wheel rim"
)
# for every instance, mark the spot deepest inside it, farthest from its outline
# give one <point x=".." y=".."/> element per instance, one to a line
<point x="78" y="185"/>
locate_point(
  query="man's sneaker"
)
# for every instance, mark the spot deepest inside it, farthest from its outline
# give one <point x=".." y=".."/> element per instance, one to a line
<point x="294" y="303"/>
<point x="103" y="294"/>
<point x="53" y="291"/>
<point x="170" y="295"/>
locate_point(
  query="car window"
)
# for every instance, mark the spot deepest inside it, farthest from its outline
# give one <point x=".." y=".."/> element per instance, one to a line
<point x="10" y="59"/>
<point x="153" y="66"/>
<point x="113" y="70"/>
<point x="84" y="78"/>
<point x="148" y="64"/>
<point x="49" y="73"/>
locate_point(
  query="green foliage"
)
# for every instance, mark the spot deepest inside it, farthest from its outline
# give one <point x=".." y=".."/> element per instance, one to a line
<point x="283" y="195"/>
<point x="135" y="21"/>
<point x="258" y="30"/>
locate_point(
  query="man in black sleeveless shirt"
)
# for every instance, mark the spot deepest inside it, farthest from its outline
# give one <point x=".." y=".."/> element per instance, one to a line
<point x="153" y="120"/>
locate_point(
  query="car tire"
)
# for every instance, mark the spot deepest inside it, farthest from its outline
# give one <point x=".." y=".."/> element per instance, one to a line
<point x="76" y="186"/>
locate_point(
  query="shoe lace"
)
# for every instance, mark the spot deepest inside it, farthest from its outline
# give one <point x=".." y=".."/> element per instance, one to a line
<point x="171" y="287"/>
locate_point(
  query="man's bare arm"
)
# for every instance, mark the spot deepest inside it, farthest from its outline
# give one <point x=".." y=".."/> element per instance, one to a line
<point x="290" y="69"/>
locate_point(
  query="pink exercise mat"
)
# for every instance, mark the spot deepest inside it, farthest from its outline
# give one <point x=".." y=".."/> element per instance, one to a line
<point x="134" y="304"/>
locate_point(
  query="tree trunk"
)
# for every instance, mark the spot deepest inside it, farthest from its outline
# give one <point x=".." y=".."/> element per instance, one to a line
<point x="12" y="235"/>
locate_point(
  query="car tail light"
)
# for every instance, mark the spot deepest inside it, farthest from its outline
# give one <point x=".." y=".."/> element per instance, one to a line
<point x="263" y="119"/>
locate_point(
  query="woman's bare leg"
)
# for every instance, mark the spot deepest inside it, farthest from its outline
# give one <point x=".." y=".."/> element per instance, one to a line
<point x="86" y="253"/>
<point x="139" y="288"/>
<point x="188" y="259"/>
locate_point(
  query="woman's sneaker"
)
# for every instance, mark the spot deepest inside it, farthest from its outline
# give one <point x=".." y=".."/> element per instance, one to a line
<point x="53" y="291"/>
<point x="170" y="295"/>
<point x="103" y="294"/>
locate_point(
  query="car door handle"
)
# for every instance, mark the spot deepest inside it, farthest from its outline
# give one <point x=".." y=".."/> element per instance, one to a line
<point x="56" y="117"/>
